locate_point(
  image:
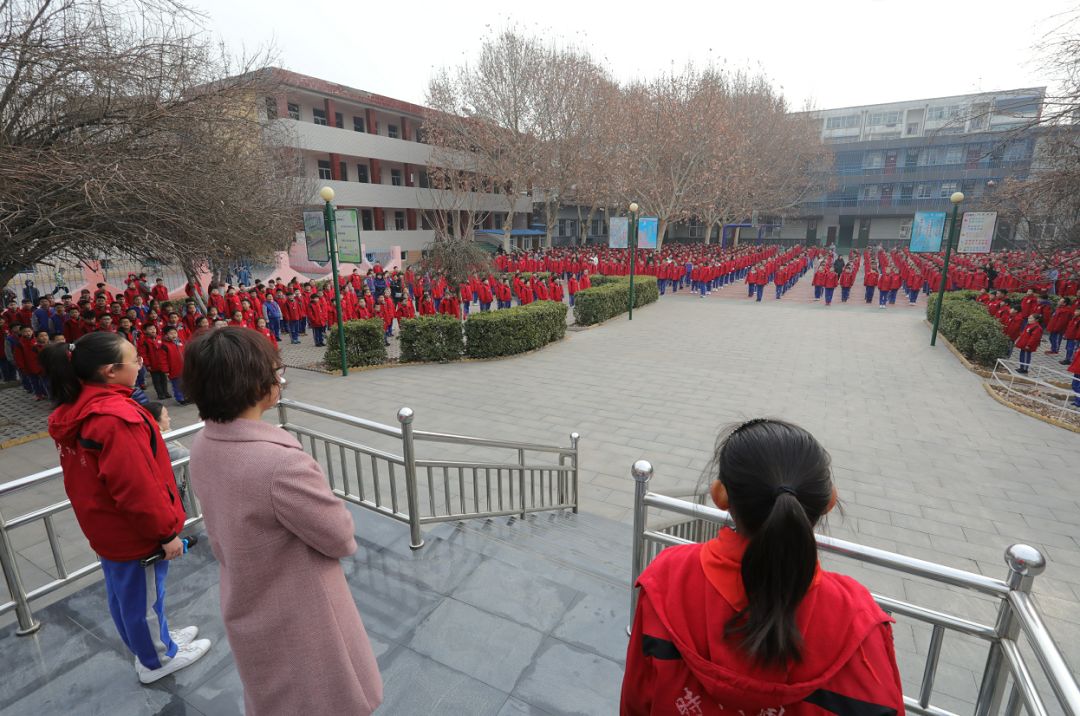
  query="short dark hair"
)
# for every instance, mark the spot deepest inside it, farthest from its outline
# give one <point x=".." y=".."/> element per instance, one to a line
<point x="226" y="371"/>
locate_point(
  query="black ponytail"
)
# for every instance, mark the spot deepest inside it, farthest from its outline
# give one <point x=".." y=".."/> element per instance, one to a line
<point x="778" y="482"/>
<point x="69" y="365"/>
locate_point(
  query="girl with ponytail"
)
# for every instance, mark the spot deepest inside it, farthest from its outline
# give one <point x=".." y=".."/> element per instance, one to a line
<point x="119" y="478"/>
<point x="748" y="622"/>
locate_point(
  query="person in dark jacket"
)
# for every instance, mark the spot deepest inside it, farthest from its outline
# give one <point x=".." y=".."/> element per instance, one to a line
<point x="838" y="265"/>
<point x="119" y="479"/>
<point x="749" y="622"/>
<point x="30" y="292"/>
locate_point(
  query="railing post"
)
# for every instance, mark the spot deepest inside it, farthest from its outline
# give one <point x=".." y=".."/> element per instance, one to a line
<point x="408" y="456"/>
<point x="283" y="414"/>
<point x="574" y="438"/>
<point x="642" y="472"/>
<point x="27" y="624"/>
<point x="521" y="480"/>
<point x="1025" y="563"/>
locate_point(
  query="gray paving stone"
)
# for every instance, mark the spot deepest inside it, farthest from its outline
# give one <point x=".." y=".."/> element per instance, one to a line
<point x="415" y="684"/>
<point x="557" y="681"/>
<point x="517" y="594"/>
<point x="491" y="649"/>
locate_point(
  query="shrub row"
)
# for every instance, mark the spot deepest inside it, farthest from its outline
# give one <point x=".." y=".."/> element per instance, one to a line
<point x="612" y="297"/>
<point x="363" y="344"/>
<point x="432" y="338"/>
<point x="514" y="330"/>
<point x="969" y="327"/>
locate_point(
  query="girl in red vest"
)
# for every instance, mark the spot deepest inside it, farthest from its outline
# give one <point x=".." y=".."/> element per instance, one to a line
<point x="749" y="622"/>
<point x="427" y="305"/>
<point x="1072" y="337"/>
<point x="1057" y="324"/>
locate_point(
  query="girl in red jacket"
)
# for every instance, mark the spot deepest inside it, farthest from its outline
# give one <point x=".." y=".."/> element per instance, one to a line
<point x="1028" y="341"/>
<point x="1074" y="368"/>
<point x="1072" y="337"/>
<point x="829" y="281"/>
<point x="317" y="316"/>
<point x="749" y="622"/>
<point x="173" y="349"/>
<point x="120" y="482"/>
<point x="1057" y="324"/>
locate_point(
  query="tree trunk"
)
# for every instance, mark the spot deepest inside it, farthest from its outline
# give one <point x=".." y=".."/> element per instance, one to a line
<point x="7" y="273"/>
<point x="551" y="211"/>
<point x="507" y="227"/>
<point x="661" y="229"/>
<point x="580" y="239"/>
<point x="592" y="213"/>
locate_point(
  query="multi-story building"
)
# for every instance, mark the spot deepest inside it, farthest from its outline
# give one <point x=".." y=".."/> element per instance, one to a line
<point x="892" y="160"/>
<point x="369" y="148"/>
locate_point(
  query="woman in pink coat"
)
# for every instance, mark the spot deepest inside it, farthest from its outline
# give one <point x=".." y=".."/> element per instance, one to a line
<point x="277" y="532"/>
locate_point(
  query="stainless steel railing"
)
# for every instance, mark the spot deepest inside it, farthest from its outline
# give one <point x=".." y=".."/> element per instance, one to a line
<point x="1044" y="386"/>
<point x="376" y="479"/>
<point x="1005" y="671"/>
<point x="419" y="491"/>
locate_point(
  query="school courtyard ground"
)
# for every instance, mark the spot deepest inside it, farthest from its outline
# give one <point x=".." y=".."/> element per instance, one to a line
<point x="927" y="463"/>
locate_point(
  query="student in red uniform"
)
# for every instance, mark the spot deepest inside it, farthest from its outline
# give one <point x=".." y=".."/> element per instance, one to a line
<point x="1074" y="368"/>
<point x="1013" y="322"/>
<point x="427" y="305"/>
<point x="1028" y="341"/>
<point x="31" y="363"/>
<point x="571" y="289"/>
<point x="1072" y="337"/>
<point x="153" y="360"/>
<point x="159" y="292"/>
<point x="173" y="348"/>
<point x="829" y="282"/>
<point x="317" y="316"/>
<point x="262" y="327"/>
<point x="847" y="280"/>
<point x="1057" y="324"/>
<point x="120" y="482"/>
<point x="387" y="312"/>
<point x="749" y="622"/>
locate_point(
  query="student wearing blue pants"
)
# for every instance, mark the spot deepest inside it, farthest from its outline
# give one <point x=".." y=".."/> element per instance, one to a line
<point x="119" y="479"/>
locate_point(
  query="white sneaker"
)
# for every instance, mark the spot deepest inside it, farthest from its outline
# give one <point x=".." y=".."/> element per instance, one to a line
<point x="180" y="637"/>
<point x="186" y="655"/>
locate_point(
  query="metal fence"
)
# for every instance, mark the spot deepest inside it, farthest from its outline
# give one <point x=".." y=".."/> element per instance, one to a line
<point x="1041" y="385"/>
<point x="1006" y="671"/>
<point x="398" y="485"/>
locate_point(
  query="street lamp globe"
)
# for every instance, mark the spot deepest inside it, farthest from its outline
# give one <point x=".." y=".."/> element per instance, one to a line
<point x="957" y="197"/>
<point x="633" y="207"/>
<point x="991" y="184"/>
<point x="327" y="193"/>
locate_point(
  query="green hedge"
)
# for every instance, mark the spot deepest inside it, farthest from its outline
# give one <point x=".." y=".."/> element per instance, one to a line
<point x="602" y="280"/>
<point x="610" y="298"/>
<point x="970" y="328"/>
<point x="514" y="330"/>
<point x="431" y="338"/>
<point x="363" y="344"/>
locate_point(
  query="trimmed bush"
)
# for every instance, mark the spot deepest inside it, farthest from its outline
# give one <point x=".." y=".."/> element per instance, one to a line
<point x="514" y="330"/>
<point x="431" y="338"/>
<point x="970" y="328"/>
<point x="599" y="303"/>
<point x="602" y="280"/>
<point x="363" y="344"/>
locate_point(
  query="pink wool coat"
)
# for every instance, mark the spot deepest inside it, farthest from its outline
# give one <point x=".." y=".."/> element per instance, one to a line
<point x="278" y="533"/>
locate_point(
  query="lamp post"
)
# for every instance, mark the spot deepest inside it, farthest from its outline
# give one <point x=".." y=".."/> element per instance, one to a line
<point x="327" y="195"/>
<point x="633" y="254"/>
<point x="956" y="198"/>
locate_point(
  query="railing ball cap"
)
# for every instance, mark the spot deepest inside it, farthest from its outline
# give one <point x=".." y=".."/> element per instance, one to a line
<point x="642" y="470"/>
<point x="1025" y="560"/>
<point x="575" y="436"/>
<point x="405" y="415"/>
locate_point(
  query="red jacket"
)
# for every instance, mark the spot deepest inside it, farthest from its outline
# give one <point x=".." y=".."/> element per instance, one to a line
<point x="830" y="279"/>
<point x="1074" y="367"/>
<point x="173" y="360"/>
<point x="1072" y="331"/>
<point x="117" y="473"/>
<point x="678" y="660"/>
<point x="1030" y="337"/>
<point x="1060" y="320"/>
<point x="153" y="357"/>
<point x="317" y="314"/>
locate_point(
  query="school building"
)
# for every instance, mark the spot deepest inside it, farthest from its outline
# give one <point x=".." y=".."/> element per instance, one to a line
<point x="894" y="159"/>
<point x="370" y="149"/>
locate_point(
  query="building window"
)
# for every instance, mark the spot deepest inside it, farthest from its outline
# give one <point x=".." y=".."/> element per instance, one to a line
<point x="872" y="160"/>
<point x="697" y="230"/>
<point x="399" y="220"/>
<point x="358" y="124"/>
<point x="324" y="169"/>
<point x="343" y="171"/>
<point x="318" y="116"/>
<point x="294" y="110"/>
<point x="271" y="108"/>
<point x="923" y="191"/>
<point x="395" y="177"/>
<point x="367" y="220"/>
<point x="597" y="227"/>
<point x="362" y="175"/>
<point x="906" y="190"/>
<point x="912" y="128"/>
<point x="954" y="155"/>
<point x="905" y="229"/>
<point x="947" y="189"/>
<point x="392" y="131"/>
<point x="887" y="118"/>
<point x="846" y="121"/>
<point x="911" y="158"/>
<point x="339" y="121"/>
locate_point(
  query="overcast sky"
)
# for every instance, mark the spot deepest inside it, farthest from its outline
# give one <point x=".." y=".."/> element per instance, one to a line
<point x="833" y="53"/>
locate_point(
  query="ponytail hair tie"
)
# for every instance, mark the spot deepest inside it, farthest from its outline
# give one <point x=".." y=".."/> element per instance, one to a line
<point x="782" y="489"/>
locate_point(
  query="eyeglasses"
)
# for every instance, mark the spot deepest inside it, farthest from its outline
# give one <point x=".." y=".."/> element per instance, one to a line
<point x="280" y="373"/>
<point x="138" y="361"/>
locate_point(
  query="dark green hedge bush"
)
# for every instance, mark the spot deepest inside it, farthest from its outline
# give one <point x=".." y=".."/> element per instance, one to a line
<point x="363" y="344"/>
<point x="599" y="303"/>
<point x="514" y="330"/>
<point x="602" y="280"/>
<point x="431" y="338"/>
<point x="970" y="328"/>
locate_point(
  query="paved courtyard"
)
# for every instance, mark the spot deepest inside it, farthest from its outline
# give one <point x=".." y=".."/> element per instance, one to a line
<point x="927" y="464"/>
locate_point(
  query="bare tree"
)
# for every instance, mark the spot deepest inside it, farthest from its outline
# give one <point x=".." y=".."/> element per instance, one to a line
<point x="124" y="132"/>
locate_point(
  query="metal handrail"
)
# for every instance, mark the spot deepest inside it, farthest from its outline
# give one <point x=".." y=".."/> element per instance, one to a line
<point x="558" y="492"/>
<point x="1038" y="379"/>
<point x="1016" y="611"/>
